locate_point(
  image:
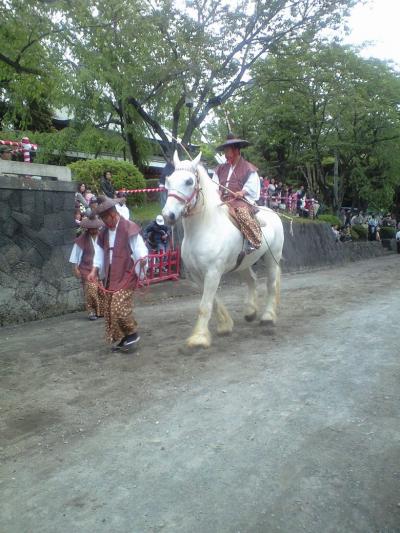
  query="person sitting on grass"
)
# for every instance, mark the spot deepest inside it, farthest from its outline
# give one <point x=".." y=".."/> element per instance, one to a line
<point x="156" y="235"/>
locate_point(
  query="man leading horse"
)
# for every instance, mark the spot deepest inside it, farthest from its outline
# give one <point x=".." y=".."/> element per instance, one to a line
<point x="243" y="182"/>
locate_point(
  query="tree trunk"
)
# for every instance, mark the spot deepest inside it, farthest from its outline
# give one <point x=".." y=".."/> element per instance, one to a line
<point x="336" y="203"/>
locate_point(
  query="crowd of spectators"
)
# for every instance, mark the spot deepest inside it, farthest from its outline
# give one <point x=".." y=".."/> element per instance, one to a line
<point x="23" y="151"/>
<point x="295" y="200"/>
<point x="86" y="201"/>
<point x="371" y="222"/>
<point x="156" y="234"/>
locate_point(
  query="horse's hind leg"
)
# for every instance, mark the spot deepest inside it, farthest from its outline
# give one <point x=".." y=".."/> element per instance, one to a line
<point x="201" y="337"/>
<point x="224" y="320"/>
<point x="251" y="305"/>
<point x="273" y="292"/>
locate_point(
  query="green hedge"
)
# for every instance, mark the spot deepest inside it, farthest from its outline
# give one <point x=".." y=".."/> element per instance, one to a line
<point x="124" y="176"/>
<point x="387" y="233"/>
<point x="330" y="219"/>
<point x="361" y="231"/>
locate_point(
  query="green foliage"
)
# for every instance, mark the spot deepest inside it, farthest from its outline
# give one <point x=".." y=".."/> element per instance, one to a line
<point x="330" y="219"/>
<point x="312" y="105"/>
<point x="361" y="231"/>
<point x="31" y="77"/>
<point x="387" y="233"/>
<point x="124" y="176"/>
<point x="139" y="63"/>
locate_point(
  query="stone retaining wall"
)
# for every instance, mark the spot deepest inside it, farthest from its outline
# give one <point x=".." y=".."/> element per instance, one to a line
<point x="313" y="245"/>
<point x="17" y="168"/>
<point x="36" y="232"/>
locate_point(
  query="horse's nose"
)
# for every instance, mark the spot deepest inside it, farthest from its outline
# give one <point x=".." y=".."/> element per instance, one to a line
<point x="169" y="216"/>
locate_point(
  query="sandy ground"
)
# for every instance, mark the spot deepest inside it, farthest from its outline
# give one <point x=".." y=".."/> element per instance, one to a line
<point x="295" y="431"/>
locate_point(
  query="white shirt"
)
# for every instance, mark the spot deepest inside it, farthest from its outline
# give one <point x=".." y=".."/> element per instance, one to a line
<point x="251" y="187"/>
<point x="398" y="236"/>
<point x="77" y="253"/>
<point x="136" y="243"/>
<point x="123" y="210"/>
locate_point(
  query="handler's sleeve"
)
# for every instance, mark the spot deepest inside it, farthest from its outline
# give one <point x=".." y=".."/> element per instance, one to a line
<point x="76" y="255"/>
<point x="139" y="251"/>
<point x="252" y="187"/>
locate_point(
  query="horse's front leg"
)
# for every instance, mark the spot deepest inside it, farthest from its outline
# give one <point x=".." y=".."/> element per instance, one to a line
<point x="201" y="337"/>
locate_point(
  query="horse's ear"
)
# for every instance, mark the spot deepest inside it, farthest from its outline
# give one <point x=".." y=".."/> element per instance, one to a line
<point x="176" y="159"/>
<point x="196" y="161"/>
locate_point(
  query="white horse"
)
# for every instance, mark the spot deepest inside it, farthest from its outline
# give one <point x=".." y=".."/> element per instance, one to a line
<point x="212" y="244"/>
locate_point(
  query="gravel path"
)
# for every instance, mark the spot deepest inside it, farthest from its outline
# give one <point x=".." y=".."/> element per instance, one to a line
<point x="295" y="431"/>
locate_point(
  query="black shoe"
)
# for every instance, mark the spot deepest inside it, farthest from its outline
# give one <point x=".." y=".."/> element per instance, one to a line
<point x="121" y="342"/>
<point x="131" y="339"/>
<point x="118" y="346"/>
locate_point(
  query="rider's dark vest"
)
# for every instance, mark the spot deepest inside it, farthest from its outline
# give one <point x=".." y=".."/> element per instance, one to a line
<point x="238" y="178"/>
<point x="120" y="273"/>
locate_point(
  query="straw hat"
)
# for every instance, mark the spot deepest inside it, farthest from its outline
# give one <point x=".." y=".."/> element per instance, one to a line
<point x="104" y="203"/>
<point x="91" y="223"/>
<point x="5" y="149"/>
<point x="232" y="141"/>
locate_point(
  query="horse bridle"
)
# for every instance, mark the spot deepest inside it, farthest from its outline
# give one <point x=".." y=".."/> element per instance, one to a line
<point x="187" y="200"/>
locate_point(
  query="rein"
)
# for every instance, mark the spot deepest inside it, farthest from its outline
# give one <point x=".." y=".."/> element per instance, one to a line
<point x="140" y="281"/>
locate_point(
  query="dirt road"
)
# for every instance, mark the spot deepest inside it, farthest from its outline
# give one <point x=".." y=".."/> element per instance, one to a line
<point x="298" y="431"/>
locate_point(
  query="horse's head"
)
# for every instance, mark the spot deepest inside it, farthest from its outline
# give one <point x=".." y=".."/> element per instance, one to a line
<point x="183" y="188"/>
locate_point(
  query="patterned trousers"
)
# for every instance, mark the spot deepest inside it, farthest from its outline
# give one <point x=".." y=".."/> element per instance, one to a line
<point x="248" y="225"/>
<point x="118" y="315"/>
<point x="94" y="298"/>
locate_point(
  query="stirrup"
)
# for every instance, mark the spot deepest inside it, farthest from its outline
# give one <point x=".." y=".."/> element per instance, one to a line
<point x="249" y="248"/>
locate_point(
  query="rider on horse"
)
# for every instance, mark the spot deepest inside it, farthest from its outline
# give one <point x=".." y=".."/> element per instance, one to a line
<point x="243" y="182"/>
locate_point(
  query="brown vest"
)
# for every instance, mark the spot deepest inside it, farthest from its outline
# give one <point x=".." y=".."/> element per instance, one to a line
<point x="85" y="242"/>
<point x="120" y="274"/>
<point x="239" y="176"/>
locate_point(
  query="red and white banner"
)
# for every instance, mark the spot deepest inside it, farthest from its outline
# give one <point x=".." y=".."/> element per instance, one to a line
<point x="133" y="191"/>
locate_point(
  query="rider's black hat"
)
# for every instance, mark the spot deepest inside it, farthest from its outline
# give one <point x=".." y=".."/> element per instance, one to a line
<point x="232" y="140"/>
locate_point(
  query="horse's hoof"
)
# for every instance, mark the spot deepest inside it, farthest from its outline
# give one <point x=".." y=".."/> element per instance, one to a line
<point x="251" y="317"/>
<point x="224" y="332"/>
<point x="185" y="350"/>
<point x="198" y="341"/>
<point x="270" y="324"/>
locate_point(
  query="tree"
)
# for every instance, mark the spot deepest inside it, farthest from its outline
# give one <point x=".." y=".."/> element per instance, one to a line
<point x="323" y="113"/>
<point x="141" y="63"/>
<point x="30" y="55"/>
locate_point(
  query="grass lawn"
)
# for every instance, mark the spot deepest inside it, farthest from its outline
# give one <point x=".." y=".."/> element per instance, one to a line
<point x="146" y="212"/>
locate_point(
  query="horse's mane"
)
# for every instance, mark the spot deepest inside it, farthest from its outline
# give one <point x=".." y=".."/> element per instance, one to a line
<point x="209" y="188"/>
